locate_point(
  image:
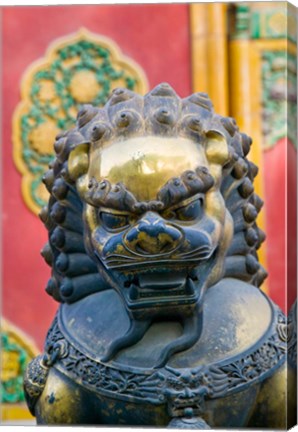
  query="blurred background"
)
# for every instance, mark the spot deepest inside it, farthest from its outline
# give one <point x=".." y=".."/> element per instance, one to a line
<point x="56" y="58"/>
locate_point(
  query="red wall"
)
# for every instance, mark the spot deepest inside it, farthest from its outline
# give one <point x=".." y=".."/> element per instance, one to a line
<point x="280" y="175"/>
<point x="274" y="175"/>
<point x="155" y="36"/>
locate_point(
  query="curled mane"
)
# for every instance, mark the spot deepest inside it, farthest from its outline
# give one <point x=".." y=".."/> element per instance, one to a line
<point x="127" y="114"/>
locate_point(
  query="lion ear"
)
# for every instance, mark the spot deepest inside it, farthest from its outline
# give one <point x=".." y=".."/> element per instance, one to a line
<point x="78" y="161"/>
<point x="217" y="150"/>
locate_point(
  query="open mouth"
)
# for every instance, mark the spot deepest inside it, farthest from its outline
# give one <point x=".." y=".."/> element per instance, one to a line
<point x="148" y="286"/>
<point x="160" y="288"/>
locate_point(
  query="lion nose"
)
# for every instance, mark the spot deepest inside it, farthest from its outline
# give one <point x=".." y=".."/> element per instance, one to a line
<point x="153" y="236"/>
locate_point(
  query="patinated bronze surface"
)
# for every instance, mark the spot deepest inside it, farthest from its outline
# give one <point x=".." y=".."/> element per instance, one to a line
<point x="153" y="247"/>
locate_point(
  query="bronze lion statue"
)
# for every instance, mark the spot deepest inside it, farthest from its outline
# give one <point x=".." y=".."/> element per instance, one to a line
<point x="153" y="246"/>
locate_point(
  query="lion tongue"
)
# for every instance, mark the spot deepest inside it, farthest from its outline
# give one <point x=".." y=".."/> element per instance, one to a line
<point x="161" y="281"/>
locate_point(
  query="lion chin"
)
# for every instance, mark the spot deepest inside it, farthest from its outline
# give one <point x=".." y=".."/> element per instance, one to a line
<point x="159" y="287"/>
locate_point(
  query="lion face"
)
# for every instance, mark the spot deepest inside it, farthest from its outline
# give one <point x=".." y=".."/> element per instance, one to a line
<point x="155" y="221"/>
<point x="152" y="196"/>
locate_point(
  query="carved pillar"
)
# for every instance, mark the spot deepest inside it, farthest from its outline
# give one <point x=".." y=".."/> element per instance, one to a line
<point x="210" y="52"/>
<point x="228" y="72"/>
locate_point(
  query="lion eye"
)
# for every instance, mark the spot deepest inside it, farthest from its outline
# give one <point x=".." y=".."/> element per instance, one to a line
<point x="191" y="211"/>
<point x="112" y="221"/>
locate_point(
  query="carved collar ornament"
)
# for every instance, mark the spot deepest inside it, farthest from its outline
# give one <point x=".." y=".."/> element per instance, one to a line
<point x="178" y="388"/>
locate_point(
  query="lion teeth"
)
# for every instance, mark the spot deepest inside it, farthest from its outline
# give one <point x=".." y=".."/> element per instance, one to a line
<point x="190" y="287"/>
<point x="133" y="292"/>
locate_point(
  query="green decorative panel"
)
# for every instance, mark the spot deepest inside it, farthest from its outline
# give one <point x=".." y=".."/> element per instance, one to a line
<point x="279" y="96"/>
<point x="264" y="20"/>
<point x="15" y="360"/>
<point x="16" y="352"/>
<point x="79" y="69"/>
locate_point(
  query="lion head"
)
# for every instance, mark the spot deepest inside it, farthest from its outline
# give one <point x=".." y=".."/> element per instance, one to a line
<point x="152" y="196"/>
